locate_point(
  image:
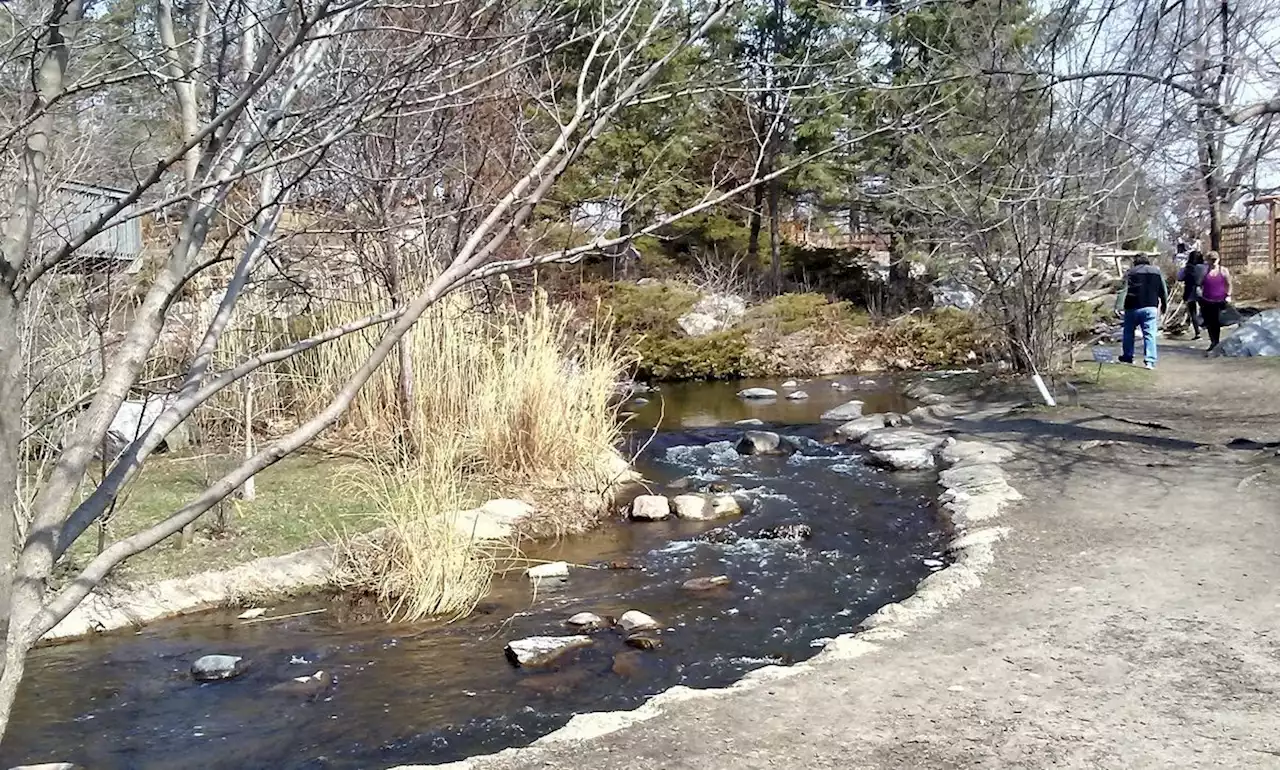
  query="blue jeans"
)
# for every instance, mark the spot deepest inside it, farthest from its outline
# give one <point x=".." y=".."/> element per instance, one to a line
<point x="1148" y="318"/>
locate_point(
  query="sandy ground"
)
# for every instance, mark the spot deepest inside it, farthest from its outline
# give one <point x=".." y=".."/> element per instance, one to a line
<point x="1132" y="618"/>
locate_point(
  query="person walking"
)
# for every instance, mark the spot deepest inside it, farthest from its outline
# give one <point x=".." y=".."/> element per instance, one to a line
<point x="1215" y="293"/>
<point x="1145" y="298"/>
<point x="1192" y="275"/>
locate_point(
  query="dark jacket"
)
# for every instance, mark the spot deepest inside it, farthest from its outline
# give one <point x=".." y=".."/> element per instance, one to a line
<point x="1192" y="278"/>
<point x="1145" y="287"/>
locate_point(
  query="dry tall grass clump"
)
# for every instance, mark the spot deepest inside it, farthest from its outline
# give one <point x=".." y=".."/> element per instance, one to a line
<point x="523" y="390"/>
<point x="419" y="564"/>
<point x="508" y="401"/>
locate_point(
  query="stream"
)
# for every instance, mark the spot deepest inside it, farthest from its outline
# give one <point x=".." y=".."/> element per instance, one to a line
<point x="435" y="692"/>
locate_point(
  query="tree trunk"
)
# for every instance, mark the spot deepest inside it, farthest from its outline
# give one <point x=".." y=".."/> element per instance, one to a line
<point x="11" y="394"/>
<point x="757" y="215"/>
<point x="249" y="490"/>
<point x="775" y="236"/>
<point x="404" y="348"/>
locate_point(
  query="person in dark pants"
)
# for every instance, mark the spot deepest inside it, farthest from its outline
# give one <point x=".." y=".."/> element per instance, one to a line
<point x="1192" y="275"/>
<point x="1145" y="297"/>
<point x="1215" y="293"/>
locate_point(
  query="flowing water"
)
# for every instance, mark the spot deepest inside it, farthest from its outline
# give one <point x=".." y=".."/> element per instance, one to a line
<point x="433" y="692"/>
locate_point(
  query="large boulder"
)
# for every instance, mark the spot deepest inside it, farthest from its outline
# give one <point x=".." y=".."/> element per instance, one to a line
<point x="650" y="508"/>
<point x="712" y="313"/>
<point x="213" y="668"/>
<point x="539" y="651"/>
<point x="133" y="419"/>
<point x="953" y="294"/>
<point x="762" y="442"/>
<point x="1258" y="336"/>
<point x="847" y="411"/>
<point x="755" y="394"/>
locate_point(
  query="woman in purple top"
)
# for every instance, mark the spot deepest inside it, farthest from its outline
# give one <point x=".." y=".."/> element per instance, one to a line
<point x="1215" y="293"/>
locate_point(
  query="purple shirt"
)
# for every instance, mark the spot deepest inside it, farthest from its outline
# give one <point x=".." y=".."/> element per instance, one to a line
<point x="1214" y="287"/>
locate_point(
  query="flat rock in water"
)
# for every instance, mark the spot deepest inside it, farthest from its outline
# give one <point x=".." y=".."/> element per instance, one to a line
<point x="213" y="668"/>
<point x="628" y="663"/>
<point x="798" y="395"/>
<point x="551" y="570"/>
<point x="900" y="438"/>
<point x="306" y="686"/>
<point x="495" y="520"/>
<point x="910" y="459"/>
<point x="847" y="411"/>
<point x="635" y="620"/>
<point x="588" y="621"/>
<point x="50" y="766"/>
<point x="757" y="393"/>
<point x="694" y="507"/>
<point x="650" y="508"/>
<point x="761" y="442"/>
<point x="725" y="505"/>
<point x="854" y="430"/>
<point x="538" y="651"/>
<point x="706" y="583"/>
<point x="790" y="384"/>
<point x="750" y="421"/>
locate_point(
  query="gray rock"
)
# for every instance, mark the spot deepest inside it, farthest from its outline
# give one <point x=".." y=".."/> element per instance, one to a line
<point x="971" y="452"/>
<point x="847" y="411"/>
<point x="798" y="395"/>
<point x="712" y="313"/>
<point x="854" y="430"/>
<point x="495" y="520"/>
<point x="633" y="621"/>
<point x="643" y="641"/>
<point x="719" y="535"/>
<point x="539" y="651"/>
<point x="790" y="384"/>
<point x="212" y="668"/>
<point x="761" y="442"/>
<point x="50" y="766"/>
<point x="953" y="294"/>
<point x="693" y="507"/>
<point x="706" y="583"/>
<point x="757" y="393"/>
<point x="895" y="420"/>
<point x="725" y="505"/>
<point x="910" y="459"/>
<point x="750" y="421"/>
<point x="551" y="570"/>
<point x="900" y="438"/>
<point x="588" y="621"/>
<point x="639" y="401"/>
<point x="650" y="508"/>
<point x="309" y="687"/>
<point x="1258" y="336"/>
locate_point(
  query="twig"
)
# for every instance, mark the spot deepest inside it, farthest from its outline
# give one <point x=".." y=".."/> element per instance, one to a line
<point x="282" y="617"/>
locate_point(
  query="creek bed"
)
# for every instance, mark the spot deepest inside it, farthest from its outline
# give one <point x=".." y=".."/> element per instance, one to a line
<point x="434" y="692"/>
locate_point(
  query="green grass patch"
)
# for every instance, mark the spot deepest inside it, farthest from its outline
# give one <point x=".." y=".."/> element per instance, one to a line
<point x="790" y="313"/>
<point x="301" y="501"/>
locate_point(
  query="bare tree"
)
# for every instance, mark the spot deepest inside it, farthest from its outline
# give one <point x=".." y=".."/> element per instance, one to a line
<point x="1205" y="77"/>
<point x="265" y="92"/>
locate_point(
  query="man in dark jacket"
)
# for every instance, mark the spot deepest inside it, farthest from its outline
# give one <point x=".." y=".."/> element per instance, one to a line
<point x="1145" y="298"/>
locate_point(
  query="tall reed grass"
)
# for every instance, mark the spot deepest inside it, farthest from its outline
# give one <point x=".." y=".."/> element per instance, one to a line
<point x="512" y="400"/>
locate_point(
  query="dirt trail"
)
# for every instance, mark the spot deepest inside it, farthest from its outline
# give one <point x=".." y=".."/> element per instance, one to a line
<point x="1132" y="619"/>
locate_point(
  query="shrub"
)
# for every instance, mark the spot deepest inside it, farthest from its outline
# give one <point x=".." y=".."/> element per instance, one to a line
<point x="790" y="313"/>
<point x="941" y="338"/>
<point x="1256" y="286"/>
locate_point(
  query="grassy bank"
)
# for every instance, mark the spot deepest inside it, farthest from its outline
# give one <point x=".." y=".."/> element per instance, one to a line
<point x="302" y="501"/>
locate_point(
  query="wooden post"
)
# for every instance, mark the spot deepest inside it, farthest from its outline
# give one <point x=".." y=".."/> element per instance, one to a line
<point x="1271" y="235"/>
